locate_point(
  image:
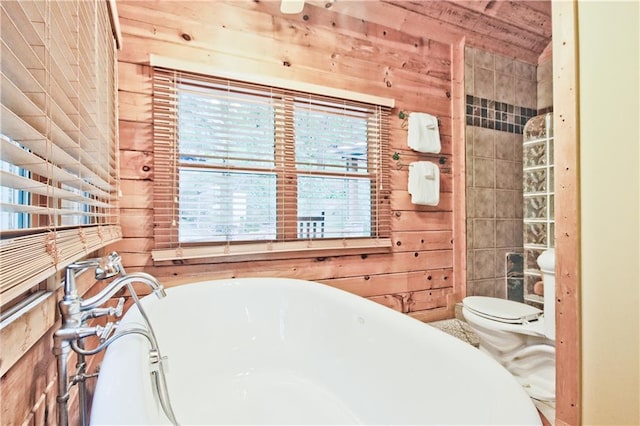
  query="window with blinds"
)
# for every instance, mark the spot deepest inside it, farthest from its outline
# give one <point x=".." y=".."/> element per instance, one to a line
<point x="58" y="138"/>
<point x="239" y="163"/>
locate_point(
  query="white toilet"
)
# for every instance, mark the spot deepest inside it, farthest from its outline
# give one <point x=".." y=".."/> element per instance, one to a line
<point x="519" y="336"/>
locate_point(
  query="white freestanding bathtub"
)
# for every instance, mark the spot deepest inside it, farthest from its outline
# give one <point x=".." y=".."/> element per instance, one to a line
<point x="284" y="351"/>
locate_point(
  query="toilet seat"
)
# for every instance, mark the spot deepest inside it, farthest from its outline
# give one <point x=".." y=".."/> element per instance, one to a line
<point x="501" y="310"/>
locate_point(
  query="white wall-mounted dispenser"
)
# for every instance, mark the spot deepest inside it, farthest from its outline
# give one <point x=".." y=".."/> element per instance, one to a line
<point x="423" y="134"/>
<point x="424" y="183"/>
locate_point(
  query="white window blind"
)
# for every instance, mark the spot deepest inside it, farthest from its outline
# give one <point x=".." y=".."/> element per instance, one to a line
<point x="238" y="162"/>
<point x="58" y="137"/>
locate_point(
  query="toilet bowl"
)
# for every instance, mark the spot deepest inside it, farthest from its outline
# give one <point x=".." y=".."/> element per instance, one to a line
<point x="519" y="336"/>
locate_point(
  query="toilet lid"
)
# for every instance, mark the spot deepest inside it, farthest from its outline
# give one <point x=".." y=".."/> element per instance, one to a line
<point x="501" y="310"/>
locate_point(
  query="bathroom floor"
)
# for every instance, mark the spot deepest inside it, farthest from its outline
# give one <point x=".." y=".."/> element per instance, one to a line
<point x="459" y="329"/>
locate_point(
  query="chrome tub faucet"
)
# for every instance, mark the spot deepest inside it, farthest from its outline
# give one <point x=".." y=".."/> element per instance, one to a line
<point x="75" y="312"/>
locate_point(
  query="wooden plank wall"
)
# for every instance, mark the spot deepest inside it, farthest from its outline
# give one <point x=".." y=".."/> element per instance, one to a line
<point x="317" y="46"/>
<point x="28" y="388"/>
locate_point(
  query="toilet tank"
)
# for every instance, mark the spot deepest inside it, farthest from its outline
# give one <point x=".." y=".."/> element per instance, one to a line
<point x="547" y="264"/>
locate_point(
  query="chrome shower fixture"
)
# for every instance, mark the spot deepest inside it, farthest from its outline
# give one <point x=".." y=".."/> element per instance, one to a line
<point x="76" y="311"/>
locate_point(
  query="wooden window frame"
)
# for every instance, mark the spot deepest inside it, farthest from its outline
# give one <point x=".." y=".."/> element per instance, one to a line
<point x="167" y="244"/>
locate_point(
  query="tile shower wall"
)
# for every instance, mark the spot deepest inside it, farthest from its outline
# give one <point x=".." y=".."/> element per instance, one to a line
<point x="501" y="97"/>
<point x="545" y="86"/>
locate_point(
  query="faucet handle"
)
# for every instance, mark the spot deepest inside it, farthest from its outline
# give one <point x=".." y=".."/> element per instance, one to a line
<point x="108" y="266"/>
<point x="100" y="312"/>
<point x="117" y="311"/>
<point x="106" y="331"/>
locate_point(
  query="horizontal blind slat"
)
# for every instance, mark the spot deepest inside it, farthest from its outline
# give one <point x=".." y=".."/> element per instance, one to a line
<point x="11" y="180"/>
<point x="24" y="159"/>
<point x="20" y="131"/>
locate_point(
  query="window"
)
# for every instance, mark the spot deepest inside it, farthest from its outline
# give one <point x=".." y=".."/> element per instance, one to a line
<point x="59" y="171"/>
<point x="10" y="196"/>
<point x="245" y="163"/>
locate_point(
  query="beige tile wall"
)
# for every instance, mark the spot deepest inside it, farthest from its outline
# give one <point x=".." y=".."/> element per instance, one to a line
<point x="545" y="84"/>
<point x="494" y="171"/>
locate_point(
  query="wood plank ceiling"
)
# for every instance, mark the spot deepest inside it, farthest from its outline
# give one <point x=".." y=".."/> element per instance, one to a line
<point x="524" y="24"/>
<point x="519" y="29"/>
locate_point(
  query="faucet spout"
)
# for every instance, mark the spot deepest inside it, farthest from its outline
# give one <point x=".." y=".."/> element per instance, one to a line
<point x="120" y="282"/>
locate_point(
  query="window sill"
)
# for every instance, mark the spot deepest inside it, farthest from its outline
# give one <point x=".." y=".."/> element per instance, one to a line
<point x="272" y="251"/>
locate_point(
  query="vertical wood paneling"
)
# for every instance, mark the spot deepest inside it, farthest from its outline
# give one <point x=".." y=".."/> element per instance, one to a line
<point x="459" y="175"/>
<point x="567" y="203"/>
<point x="29" y="388"/>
